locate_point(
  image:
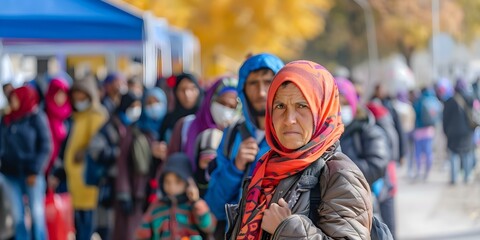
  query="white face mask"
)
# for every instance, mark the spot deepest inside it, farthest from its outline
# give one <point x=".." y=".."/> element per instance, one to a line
<point x="347" y="114"/>
<point x="82" y="105"/>
<point x="155" y="110"/>
<point x="123" y="90"/>
<point x="223" y="115"/>
<point x="133" y="113"/>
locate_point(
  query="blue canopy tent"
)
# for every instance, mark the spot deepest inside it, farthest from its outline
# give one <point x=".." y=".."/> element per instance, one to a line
<point x="82" y="26"/>
<point x="92" y="20"/>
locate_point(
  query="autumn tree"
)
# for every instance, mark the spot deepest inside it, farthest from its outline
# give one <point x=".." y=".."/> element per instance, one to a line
<point x="407" y="25"/>
<point x="230" y="29"/>
<point x="471" y="19"/>
<point x="343" y="40"/>
<point x="401" y="26"/>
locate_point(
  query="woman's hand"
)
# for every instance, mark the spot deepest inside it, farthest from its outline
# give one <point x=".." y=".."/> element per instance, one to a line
<point x="246" y="153"/>
<point x="275" y="215"/>
<point x="159" y="150"/>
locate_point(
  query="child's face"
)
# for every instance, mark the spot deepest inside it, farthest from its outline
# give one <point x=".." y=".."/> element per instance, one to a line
<point x="173" y="185"/>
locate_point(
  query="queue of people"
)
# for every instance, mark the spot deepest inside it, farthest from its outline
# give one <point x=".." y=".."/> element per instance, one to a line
<point x="282" y="151"/>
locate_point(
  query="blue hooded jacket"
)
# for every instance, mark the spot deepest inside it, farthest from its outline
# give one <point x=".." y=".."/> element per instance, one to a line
<point x="226" y="180"/>
<point x="428" y="95"/>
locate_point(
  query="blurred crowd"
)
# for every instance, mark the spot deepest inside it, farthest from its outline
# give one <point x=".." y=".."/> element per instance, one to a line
<point x="162" y="162"/>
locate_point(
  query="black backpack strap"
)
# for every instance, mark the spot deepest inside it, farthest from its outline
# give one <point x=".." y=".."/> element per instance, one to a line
<point x="311" y="180"/>
<point x="230" y="138"/>
<point x="308" y="180"/>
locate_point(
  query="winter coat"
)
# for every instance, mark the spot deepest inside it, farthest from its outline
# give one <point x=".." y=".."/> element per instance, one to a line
<point x="85" y="126"/>
<point x="345" y="210"/>
<point x="401" y="143"/>
<point x="366" y="145"/>
<point x="57" y="115"/>
<point x="25" y="145"/>
<point x="168" y="219"/>
<point x="384" y="120"/>
<point x="226" y="180"/>
<point x="131" y="181"/>
<point x="456" y="126"/>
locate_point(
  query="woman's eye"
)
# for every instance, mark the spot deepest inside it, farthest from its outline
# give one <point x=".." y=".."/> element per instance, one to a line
<point x="279" y="106"/>
<point x="301" y="106"/>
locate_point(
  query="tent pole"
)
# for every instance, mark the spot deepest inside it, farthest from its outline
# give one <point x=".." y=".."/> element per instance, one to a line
<point x="149" y="52"/>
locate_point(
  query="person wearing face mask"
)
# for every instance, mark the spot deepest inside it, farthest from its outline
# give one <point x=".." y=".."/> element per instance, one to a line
<point x="154" y="111"/>
<point x="132" y="167"/>
<point x="219" y="109"/>
<point x="104" y="150"/>
<point x="87" y="119"/>
<point x="201" y="134"/>
<point x="362" y="141"/>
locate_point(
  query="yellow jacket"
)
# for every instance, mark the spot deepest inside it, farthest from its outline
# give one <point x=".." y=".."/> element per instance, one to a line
<point x="85" y="126"/>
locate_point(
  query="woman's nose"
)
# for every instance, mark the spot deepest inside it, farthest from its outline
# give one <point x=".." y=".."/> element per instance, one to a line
<point x="290" y="116"/>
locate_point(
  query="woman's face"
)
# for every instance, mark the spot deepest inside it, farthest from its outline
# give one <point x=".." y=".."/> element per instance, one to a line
<point x="187" y="93"/>
<point x="60" y="98"/>
<point x="292" y="117"/>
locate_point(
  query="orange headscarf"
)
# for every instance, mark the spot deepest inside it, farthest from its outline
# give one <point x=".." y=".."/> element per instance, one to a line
<point x="319" y="89"/>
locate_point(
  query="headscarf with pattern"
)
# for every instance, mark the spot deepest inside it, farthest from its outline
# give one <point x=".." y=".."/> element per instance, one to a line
<point x="319" y="89"/>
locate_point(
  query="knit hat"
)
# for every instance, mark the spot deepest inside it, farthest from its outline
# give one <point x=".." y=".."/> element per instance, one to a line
<point x="179" y="164"/>
<point x="112" y="77"/>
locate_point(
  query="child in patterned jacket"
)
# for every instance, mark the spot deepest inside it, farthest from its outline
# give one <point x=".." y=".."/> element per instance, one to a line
<point x="181" y="213"/>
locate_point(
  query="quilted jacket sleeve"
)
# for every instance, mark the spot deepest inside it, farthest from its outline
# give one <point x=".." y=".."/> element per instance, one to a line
<point x="345" y="211"/>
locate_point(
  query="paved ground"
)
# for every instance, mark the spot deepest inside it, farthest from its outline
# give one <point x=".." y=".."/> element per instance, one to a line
<point x="436" y="210"/>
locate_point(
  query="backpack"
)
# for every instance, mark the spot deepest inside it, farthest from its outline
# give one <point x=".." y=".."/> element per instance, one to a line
<point x="238" y="127"/>
<point x="141" y="152"/>
<point x="430" y="111"/>
<point x="472" y="112"/>
<point x="379" y="230"/>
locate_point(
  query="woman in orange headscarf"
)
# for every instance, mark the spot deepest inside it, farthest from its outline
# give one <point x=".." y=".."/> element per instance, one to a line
<point x="304" y="186"/>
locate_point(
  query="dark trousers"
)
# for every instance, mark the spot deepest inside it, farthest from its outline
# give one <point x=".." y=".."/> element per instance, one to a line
<point x="387" y="211"/>
<point x="220" y="230"/>
<point x="84" y="224"/>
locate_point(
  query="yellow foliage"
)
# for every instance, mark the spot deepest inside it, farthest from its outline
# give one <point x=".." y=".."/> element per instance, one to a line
<point x="230" y="29"/>
<point x="410" y="22"/>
